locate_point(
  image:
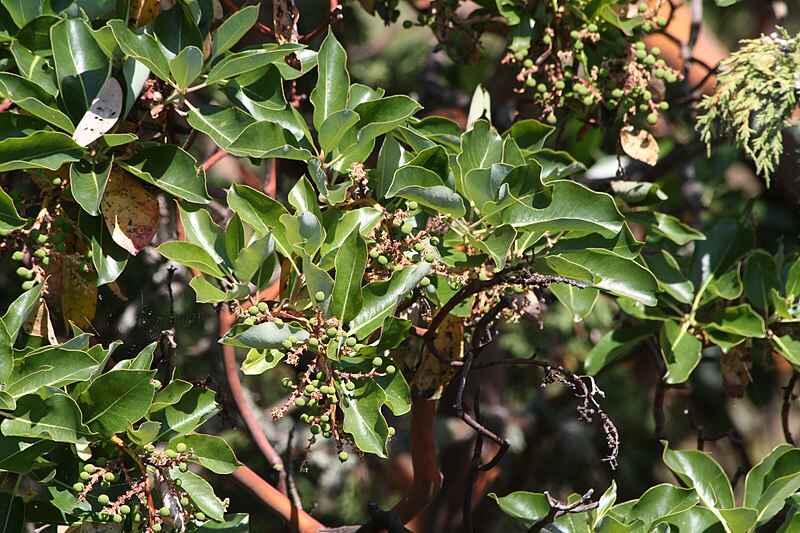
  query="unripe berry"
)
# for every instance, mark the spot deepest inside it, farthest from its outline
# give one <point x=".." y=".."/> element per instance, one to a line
<point x="391" y="369"/>
<point x="425" y="281"/>
<point x="109" y="476"/>
<point x="103" y="499"/>
<point x="287" y="344"/>
<point x="319" y="296"/>
<point x="592" y="28"/>
<point x="183" y="467"/>
<point x="642" y="7"/>
<point x="200" y="516"/>
<point x="315" y="429"/>
<point x="663" y="106"/>
<point x="383" y="260"/>
<point x="652" y="118"/>
<point x="124" y="509"/>
<point x="181" y="447"/>
<point x="156" y="528"/>
<point x="574" y="34"/>
<point x="343" y="456"/>
<point x="184" y="501"/>
<point x="253" y="310"/>
<point x="24" y="273"/>
<point x="429" y="257"/>
<point x="28" y="285"/>
<point x="172" y="454"/>
<point x="56" y="181"/>
<point x="41" y="239"/>
<point x="407" y="228"/>
<point x="313" y="341"/>
<point x="78" y="487"/>
<point x="84" y="475"/>
<point x="407" y="24"/>
<point x="117" y="518"/>
<point x="90" y="468"/>
<point x="551" y="118"/>
<point x="332" y="332"/>
<point x="249" y="321"/>
<point x="350" y="385"/>
<point x="374" y="253"/>
<point x="17" y="256"/>
<point x="412" y="205"/>
<point x="263" y="307"/>
<point x="377" y="361"/>
<point x="351" y="341"/>
<point x="392" y="431"/>
<point x="164" y="511"/>
<point x="300" y="402"/>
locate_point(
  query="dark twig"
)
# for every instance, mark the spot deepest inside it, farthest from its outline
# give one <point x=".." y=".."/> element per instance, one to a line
<point x="475" y="468"/>
<point x="167" y="345"/>
<point x="558" y="509"/>
<point x="335" y="16"/>
<point x="788" y="399"/>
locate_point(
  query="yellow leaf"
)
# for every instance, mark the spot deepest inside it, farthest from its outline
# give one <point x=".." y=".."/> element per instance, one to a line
<point x="640" y="145"/>
<point x="144" y="11"/>
<point x="130" y="211"/>
<point x="78" y="295"/>
<point x="431" y="376"/>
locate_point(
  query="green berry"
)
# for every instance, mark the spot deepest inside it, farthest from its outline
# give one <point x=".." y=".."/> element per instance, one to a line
<point x="407" y="24"/>
<point x="24" y="273"/>
<point x="551" y="118"/>
<point x="530" y="82"/>
<point x="391" y="369"/>
<point x="103" y="499"/>
<point x="184" y="501"/>
<point x="300" y="402"/>
<point x="181" y="447"/>
<point x="592" y="27"/>
<point x="407" y="228"/>
<point x="78" y="487"/>
<point x="425" y="281"/>
<point x="278" y="322"/>
<point x="17" y="256"/>
<point x="315" y="429"/>
<point x="652" y="118"/>
<point x="392" y="431"/>
<point x="528" y="63"/>
<point x="642" y="7"/>
<point x="156" y="528"/>
<point x="263" y="307"/>
<point x="183" y="467"/>
<point x="200" y="516"/>
<point x="172" y="454"/>
<point x="332" y="332"/>
<point x="647" y="27"/>
<point x="429" y="257"/>
<point x="656" y="51"/>
<point x="617" y="93"/>
<point x="663" y="106"/>
<point x="84" y="475"/>
<point x="640" y="54"/>
<point x="28" y="285"/>
<point x="253" y="310"/>
<point x="313" y="342"/>
<point x="287" y="344"/>
<point x="109" y="476"/>
<point x="574" y="34"/>
<point x="377" y="361"/>
<point x="41" y="239"/>
<point x="383" y="260"/>
<point x="661" y="21"/>
<point x="560" y="85"/>
<point x="41" y="252"/>
<point x="350" y="385"/>
<point x="164" y="511"/>
<point x="588" y="100"/>
<point x="56" y="181"/>
<point x="542" y="88"/>
<point x="249" y="321"/>
<point x="412" y="205"/>
<point x="124" y="509"/>
<point x="351" y="341"/>
<point x="343" y="456"/>
<point x="90" y="468"/>
<point x="117" y="518"/>
<point x="650" y="60"/>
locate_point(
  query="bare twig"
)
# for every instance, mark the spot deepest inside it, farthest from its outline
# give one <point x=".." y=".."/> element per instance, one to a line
<point x="475" y="468"/>
<point x="260" y="26"/>
<point x="558" y="509"/>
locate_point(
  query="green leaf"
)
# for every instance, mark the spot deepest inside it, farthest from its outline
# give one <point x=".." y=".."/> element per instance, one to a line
<point x="232" y="523"/>
<point x="556" y="165"/>
<point x="145" y="433"/>
<point x="33" y="99"/>
<point x="109" y="259"/>
<point x="259" y="361"/>
<point x="526" y="507"/>
<point x="381" y="298"/>
<point x="192" y="256"/>
<point x="54" y="366"/>
<point x="260" y="212"/>
<point x="200" y="492"/>
<point x="209" y="451"/>
<point x="382" y="116"/>
<point x="81" y="65"/>
<point x="670" y="278"/>
<point x="201" y="230"/>
<point x="233" y="29"/>
<point x="698" y="470"/>
<point x="424" y="186"/>
<point x="788" y="347"/>
<point x="481" y="147"/>
<point x="141" y="47"/>
<point x="34" y="68"/>
<point x="573" y="208"/>
<point x="615" y="345"/>
<point x="170" y="394"/>
<point x="726" y="242"/>
<point x="184" y="416"/>
<point x="24" y="11"/>
<point x="87" y="183"/>
<point x="392" y="156"/>
<point x="580" y="302"/>
<point x="20" y="310"/>
<point x="662" y="500"/>
<point x="675" y="230"/>
<point x="363" y="418"/>
<point x="334" y="127"/>
<point x="616" y="274"/>
<point x="186" y="66"/>
<point x="249" y="60"/>
<point x="21" y="456"/>
<point x="259" y="92"/>
<point x="351" y="261"/>
<point x="263" y="336"/>
<point x="55" y="417"/>
<point x="333" y="81"/>
<point x="9" y="217"/>
<point x="681" y="351"/>
<point x="43" y="149"/>
<point x="117" y="399"/>
<point x="760" y="277"/>
<point x="175" y="31"/>
<point x="171" y="169"/>
<point x="772" y="481"/>
<point x="530" y="134"/>
<point x="739" y="320"/>
<point x="792" y="287"/>
<point x="728" y="285"/>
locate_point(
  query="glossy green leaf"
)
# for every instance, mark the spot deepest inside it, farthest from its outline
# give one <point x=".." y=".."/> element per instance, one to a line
<point x="259" y="361"/>
<point x="260" y="212"/>
<point x="49" y="367"/>
<point x="580" y="302"/>
<point x="739" y="320"/>
<point x="526" y="507"/>
<point x="670" y="278"/>
<point x="760" y="277"/>
<point x="788" y="347"/>
<point x="702" y="473"/>
<point x="233" y="29"/>
<point x="772" y="481"/>
<point x="260" y="92"/>
<point x="614" y="345"/>
<point x="191" y="256"/>
<point x="249" y="60"/>
<point x="145" y="433"/>
<point x="43" y="150"/>
<point x="681" y="351"/>
<point x="34" y="68"/>
<point x="33" y="99"/>
<point x="20" y="310"/>
<point x="55" y="417"/>
<point x="142" y="47"/>
<point x="333" y="81"/>
<point x="481" y="147"/>
<point x="171" y="169"/>
<point x="170" y="394"/>
<point x="87" y="183"/>
<point x="187" y="414"/>
<point x="425" y="187"/>
<point x="81" y="65"/>
<point x="200" y="492"/>
<point x="334" y="127"/>
<point x="363" y="419"/>
<point x="209" y="451"/>
<point x="378" y="117"/>
<point x="201" y="230"/>
<point x="21" y="456"/>
<point x="616" y="274"/>
<point x="662" y="500"/>
<point x="351" y="260"/>
<point x="117" y="399"/>
<point x="175" y="31"/>
<point x="530" y="134"/>
<point x="9" y="217"/>
<point x="264" y="336"/>
<point x="186" y="66"/>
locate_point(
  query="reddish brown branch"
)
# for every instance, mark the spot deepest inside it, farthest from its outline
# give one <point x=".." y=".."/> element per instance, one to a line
<point x="427" y="477"/>
<point x="215" y="158"/>
<point x="305" y="523"/>
<point x="226" y="320"/>
<point x="260" y="26"/>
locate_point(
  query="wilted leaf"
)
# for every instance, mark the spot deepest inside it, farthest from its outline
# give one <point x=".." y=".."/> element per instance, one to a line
<point x="102" y="114"/>
<point x="640" y="145"/>
<point x="130" y="211"/>
<point x="144" y="11"/>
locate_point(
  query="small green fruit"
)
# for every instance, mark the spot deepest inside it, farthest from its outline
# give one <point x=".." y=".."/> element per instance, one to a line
<point x="374" y="253"/>
<point x="263" y="307"/>
<point x="392" y="431"/>
<point x="412" y="205"/>
<point x="103" y="499"/>
<point x="249" y="321"/>
<point x="429" y="257"/>
<point x="377" y="361"/>
<point x="287" y="344"/>
<point x="391" y="369"/>
<point x="117" y="518"/>
<point x="181" y="447"/>
<point x="78" y="487"/>
<point x="425" y="281"/>
<point x="300" y="402"/>
<point x="24" y="273"/>
<point x="652" y="118"/>
<point x="253" y="310"/>
<point x="383" y="260"/>
<point x="17" y="256"/>
<point x="124" y="509"/>
<point x="319" y="296"/>
<point x="172" y="454"/>
<point x="84" y="475"/>
<point x="343" y="456"/>
<point x="350" y="385"/>
<point x="313" y="342"/>
<point x="351" y="341"/>
<point x="41" y="239"/>
<point x="184" y="501"/>
<point x="315" y="429"/>
<point x="200" y="516"/>
<point x="164" y="511"/>
<point x="28" y="285"/>
<point x="90" y="468"/>
<point x="407" y="228"/>
<point x="156" y="528"/>
<point x="109" y="476"/>
<point x="183" y="467"/>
